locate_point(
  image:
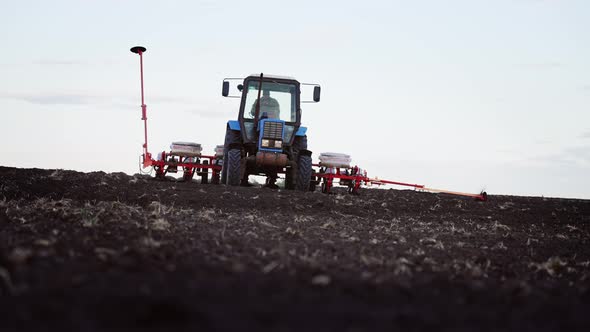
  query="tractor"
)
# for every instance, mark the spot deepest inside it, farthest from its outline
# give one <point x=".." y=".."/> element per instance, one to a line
<point x="267" y="138"/>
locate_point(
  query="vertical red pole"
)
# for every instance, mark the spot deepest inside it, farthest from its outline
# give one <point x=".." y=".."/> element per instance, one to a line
<point x="143" y="107"/>
<point x="147" y="157"/>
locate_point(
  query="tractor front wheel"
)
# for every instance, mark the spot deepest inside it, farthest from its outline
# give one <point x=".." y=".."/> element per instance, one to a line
<point x="233" y="163"/>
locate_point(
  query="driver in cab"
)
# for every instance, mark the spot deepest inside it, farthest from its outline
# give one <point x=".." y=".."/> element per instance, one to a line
<point x="268" y="106"/>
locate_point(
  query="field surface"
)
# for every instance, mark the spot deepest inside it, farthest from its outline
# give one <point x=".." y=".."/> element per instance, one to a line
<point x="97" y="251"/>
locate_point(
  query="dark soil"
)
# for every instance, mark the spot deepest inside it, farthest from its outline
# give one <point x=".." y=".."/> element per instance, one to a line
<point x="96" y="251"/>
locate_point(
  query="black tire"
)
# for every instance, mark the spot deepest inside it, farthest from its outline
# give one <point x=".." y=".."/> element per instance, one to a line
<point x="299" y="143"/>
<point x="231" y="137"/>
<point x="313" y="182"/>
<point x="160" y="173"/>
<point x="352" y="189"/>
<point x="233" y="163"/>
<point x="303" y="173"/>
<point x="224" y="169"/>
<point x="187" y="174"/>
<point x="215" y="176"/>
<point x="290" y="179"/>
<point x="205" y="173"/>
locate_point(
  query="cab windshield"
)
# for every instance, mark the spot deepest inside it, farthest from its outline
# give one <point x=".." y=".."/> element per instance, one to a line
<point x="277" y="101"/>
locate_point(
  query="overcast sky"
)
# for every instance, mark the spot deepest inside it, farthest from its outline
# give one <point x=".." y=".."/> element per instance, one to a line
<point x="462" y="95"/>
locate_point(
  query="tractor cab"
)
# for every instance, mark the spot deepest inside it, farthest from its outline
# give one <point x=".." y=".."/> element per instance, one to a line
<point x="279" y="104"/>
<point x="268" y="134"/>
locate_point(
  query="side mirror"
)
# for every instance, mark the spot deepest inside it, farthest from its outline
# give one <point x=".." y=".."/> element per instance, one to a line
<point x="316" y="93"/>
<point x="240" y="87"/>
<point x="225" y="89"/>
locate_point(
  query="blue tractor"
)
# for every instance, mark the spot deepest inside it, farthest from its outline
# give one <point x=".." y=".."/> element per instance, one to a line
<point x="268" y="139"/>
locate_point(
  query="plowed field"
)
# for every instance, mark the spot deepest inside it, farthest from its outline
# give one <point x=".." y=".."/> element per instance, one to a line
<point x="94" y="251"/>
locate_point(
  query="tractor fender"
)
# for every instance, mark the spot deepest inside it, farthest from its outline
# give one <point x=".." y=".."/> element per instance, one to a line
<point x="234" y="125"/>
<point x="301" y="131"/>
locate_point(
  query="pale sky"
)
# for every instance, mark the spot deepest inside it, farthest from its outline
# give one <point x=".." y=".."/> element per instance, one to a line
<point x="460" y="95"/>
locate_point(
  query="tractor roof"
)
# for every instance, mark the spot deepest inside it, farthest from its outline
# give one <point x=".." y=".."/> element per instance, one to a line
<point x="278" y="77"/>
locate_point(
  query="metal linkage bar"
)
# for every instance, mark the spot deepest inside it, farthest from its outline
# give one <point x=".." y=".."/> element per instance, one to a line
<point x="379" y="182"/>
<point x="483" y="196"/>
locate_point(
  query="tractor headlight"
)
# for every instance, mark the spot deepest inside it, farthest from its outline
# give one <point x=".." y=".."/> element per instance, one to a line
<point x="278" y="143"/>
<point x="265" y="143"/>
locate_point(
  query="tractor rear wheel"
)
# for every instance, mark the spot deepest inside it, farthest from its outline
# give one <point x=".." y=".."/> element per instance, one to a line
<point x="233" y="164"/>
<point x="303" y="173"/>
<point x="231" y="137"/>
<point x="299" y="143"/>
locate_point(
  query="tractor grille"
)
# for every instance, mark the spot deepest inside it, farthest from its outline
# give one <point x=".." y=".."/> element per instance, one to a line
<point x="273" y="130"/>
